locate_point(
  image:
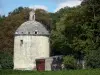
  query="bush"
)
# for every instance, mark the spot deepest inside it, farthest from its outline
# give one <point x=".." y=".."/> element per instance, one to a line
<point x="6" y="60"/>
<point x="93" y="59"/>
<point x="69" y="62"/>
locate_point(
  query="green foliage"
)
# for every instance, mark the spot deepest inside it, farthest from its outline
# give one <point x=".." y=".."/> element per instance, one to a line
<point x="6" y="60"/>
<point x="43" y="17"/>
<point x="66" y="72"/>
<point x="93" y="59"/>
<point x="69" y="62"/>
<point x="16" y="11"/>
<point x="80" y="28"/>
<point x="58" y="44"/>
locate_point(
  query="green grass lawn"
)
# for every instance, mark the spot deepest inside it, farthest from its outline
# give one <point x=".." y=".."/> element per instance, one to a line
<point x="67" y="72"/>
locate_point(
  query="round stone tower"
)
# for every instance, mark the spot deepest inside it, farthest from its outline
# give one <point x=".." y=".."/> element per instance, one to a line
<point x="31" y="42"/>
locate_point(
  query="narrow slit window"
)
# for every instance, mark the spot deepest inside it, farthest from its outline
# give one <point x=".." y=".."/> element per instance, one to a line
<point x="21" y="42"/>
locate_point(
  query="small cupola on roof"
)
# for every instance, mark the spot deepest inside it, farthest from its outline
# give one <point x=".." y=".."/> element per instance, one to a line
<point x="32" y="27"/>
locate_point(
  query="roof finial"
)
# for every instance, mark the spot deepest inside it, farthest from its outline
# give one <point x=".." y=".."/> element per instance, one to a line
<point x="32" y="15"/>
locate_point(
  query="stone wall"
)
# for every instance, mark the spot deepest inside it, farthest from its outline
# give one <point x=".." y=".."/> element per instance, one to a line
<point x="27" y="49"/>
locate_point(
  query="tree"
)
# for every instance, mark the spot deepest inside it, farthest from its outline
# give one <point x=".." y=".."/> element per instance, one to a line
<point x="92" y="6"/>
<point x="44" y="17"/>
<point x="59" y="44"/>
<point x="70" y="62"/>
<point x="92" y="59"/>
<point x="6" y="60"/>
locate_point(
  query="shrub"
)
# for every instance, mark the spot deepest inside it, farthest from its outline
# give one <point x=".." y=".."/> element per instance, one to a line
<point x="93" y="59"/>
<point x="6" y="60"/>
<point x="69" y="62"/>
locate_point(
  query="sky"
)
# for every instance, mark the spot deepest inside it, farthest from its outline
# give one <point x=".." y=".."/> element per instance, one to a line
<point x="7" y="6"/>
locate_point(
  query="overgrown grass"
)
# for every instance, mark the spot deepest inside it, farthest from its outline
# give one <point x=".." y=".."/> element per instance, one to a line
<point x="67" y="72"/>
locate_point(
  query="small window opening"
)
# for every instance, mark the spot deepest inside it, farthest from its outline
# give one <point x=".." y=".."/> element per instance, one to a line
<point x="21" y="42"/>
<point x="35" y="32"/>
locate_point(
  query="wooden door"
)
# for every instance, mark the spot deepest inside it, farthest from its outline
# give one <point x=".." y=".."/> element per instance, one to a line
<point x="40" y="64"/>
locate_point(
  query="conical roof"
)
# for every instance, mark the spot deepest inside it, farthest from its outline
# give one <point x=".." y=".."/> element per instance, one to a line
<point x="32" y="28"/>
